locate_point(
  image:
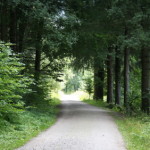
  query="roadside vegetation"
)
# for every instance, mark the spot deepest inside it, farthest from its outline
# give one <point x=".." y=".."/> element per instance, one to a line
<point x="136" y="131"/>
<point x="25" y="109"/>
<point x="26" y="124"/>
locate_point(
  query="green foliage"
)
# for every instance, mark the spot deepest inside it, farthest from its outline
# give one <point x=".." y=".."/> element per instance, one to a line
<point x="17" y="121"/>
<point x="72" y="80"/>
<point x="97" y="103"/>
<point x="135" y="90"/>
<point x="136" y="131"/>
<point x="28" y="124"/>
<point x="89" y="86"/>
<point x="13" y="85"/>
<point x="42" y="91"/>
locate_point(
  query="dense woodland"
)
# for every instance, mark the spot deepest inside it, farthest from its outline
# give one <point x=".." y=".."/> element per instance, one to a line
<point x="109" y="37"/>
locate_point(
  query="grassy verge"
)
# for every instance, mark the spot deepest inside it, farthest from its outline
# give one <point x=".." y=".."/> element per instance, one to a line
<point x="135" y="129"/>
<point x="95" y="103"/>
<point x="27" y="124"/>
<point x="136" y="132"/>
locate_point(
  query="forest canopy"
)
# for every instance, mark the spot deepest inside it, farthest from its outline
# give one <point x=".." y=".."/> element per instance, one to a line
<point x="110" y="38"/>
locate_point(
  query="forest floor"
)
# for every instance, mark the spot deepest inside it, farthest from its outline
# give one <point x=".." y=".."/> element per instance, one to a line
<point x="80" y="126"/>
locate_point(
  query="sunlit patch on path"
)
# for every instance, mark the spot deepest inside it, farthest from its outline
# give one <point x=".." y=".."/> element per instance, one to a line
<point x="74" y="96"/>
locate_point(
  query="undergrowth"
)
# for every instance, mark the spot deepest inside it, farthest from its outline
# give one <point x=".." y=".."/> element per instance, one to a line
<point x="27" y="124"/>
<point x="136" y="132"/>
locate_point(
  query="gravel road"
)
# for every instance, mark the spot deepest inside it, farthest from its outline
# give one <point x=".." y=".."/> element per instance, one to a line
<point x="79" y="127"/>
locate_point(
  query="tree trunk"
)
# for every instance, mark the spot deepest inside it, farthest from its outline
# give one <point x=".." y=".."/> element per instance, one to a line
<point x="1" y="12"/>
<point x="4" y="21"/>
<point x="110" y="76"/>
<point x="38" y="47"/>
<point x="126" y="78"/>
<point x="13" y="29"/>
<point x="22" y="27"/>
<point x="117" y="77"/>
<point x="126" y="75"/>
<point x="98" y="82"/>
<point x="145" y="80"/>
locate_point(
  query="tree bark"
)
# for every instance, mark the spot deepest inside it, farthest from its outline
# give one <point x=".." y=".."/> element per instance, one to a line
<point x="126" y="78"/>
<point x="99" y="82"/>
<point x="145" y="80"/>
<point x="38" y="47"/>
<point x="117" y="77"/>
<point x="126" y="75"/>
<point x="110" y="65"/>
<point x="13" y="29"/>
<point x="22" y="27"/>
<point x="1" y="12"/>
<point x="4" y="21"/>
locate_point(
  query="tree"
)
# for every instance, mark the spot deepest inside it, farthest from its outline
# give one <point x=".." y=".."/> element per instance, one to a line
<point x="117" y="76"/>
<point x="122" y="16"/>
<point x="99" y="81"/>
<point x="146" y="80"/>
<point x="89" y="86"/>
<point x="13" y="85"/>
<point x="110" y="72"/>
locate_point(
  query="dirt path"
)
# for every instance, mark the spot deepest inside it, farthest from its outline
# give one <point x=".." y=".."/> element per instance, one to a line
<point x="79" y="127"/>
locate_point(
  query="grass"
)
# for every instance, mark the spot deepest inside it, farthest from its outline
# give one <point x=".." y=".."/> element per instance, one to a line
<point x="136" y="132"/>
<point x="135" y="129"/>
<point x="27" y="124"/>
<point x="96" y="103"/>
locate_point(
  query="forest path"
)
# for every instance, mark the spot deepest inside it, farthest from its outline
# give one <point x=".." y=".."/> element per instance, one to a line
<point x="79" y="127"/>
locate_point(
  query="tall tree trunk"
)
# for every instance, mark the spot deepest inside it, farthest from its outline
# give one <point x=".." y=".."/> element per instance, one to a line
<point x="1" y="12"/>
<point x="117" y="77"/>
<point x="126" y="79"/>
<point x="99" y="82"/>
<point x="110" y="66"/>
<point x="145" y="80"/>
<point x="22" y="25"/>
<point x="38" y="50"/>
<point x="13" y="28"/>
<point x="126" y="75"/>
<point x="22" y="29"/>
<point x="4" y="21"/>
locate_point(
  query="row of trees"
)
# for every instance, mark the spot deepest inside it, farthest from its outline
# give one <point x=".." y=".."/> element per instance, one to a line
<point x="36" y="37"/>
<point x="114" y="40"/>
<point x="39" y="31"/>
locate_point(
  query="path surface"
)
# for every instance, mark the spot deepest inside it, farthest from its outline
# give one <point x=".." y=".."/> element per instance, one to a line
<point x="79" y="127"/>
